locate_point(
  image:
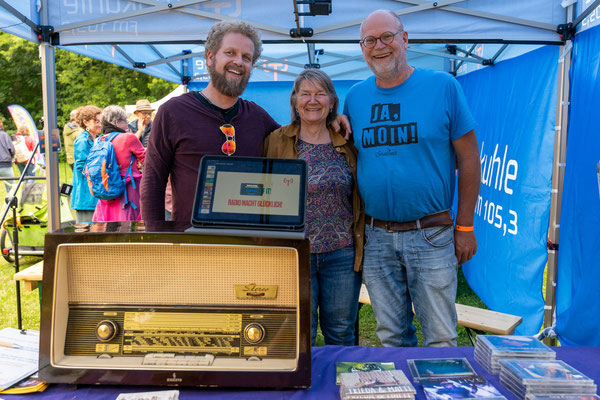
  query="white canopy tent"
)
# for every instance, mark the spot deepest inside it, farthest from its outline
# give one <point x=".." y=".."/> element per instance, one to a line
<point x="178" y="91"/>
<point x="164" y="38"/>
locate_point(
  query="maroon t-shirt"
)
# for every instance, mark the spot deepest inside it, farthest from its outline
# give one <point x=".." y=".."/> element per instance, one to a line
<point x="183" y="131"/>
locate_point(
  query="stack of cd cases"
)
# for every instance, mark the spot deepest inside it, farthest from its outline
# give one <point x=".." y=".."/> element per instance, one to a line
<point x="490" y="349"/>
<point x="529" y="378"/>
<point x="391" y="384"/>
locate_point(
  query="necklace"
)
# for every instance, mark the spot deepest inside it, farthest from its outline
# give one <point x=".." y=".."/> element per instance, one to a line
<point x="205" y="98"/>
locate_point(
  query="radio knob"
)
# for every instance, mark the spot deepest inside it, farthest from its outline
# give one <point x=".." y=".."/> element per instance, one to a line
<point x="106" y="330"/>
<point x="254" y="333"/>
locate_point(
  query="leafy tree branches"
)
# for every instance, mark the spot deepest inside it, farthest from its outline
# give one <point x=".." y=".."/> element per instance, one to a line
<point x="80" y="80"/>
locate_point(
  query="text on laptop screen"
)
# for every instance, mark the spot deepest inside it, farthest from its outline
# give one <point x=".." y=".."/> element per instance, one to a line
<point x="250" y="191"/>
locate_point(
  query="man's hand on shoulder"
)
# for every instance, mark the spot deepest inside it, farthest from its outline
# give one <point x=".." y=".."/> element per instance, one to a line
<point x="465" y="246"/>
<point x="342" y="124"/>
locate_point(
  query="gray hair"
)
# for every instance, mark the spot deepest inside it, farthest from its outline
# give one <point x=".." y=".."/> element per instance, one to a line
<point x="112" y="114"/>
<point x="220" y="29"/>
<point x="315" y="76"/>
<point x="73" y="114"/>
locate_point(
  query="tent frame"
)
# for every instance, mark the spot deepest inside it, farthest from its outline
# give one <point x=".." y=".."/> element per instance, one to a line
<point x="49" y="36"/>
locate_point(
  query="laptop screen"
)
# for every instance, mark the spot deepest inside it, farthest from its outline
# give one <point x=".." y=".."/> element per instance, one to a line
<point x="248" y="192"/>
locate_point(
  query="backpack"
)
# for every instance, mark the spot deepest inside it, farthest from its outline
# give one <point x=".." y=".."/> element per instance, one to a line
<point x="22" y="153"/>
<point x="102" y="170"/>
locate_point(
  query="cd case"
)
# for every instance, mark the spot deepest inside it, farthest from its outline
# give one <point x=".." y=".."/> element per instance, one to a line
<point x="375" y="384"/>
<point x="439" y="368"/>
<point x="545" y="371"/>
<point x="563" y="397"/>
<point x="346" y="367"/>
<point x="514" y="344"/>
<point x="469" y="387"/>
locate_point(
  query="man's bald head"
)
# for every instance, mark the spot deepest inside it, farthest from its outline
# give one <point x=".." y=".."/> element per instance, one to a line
<point x="381" y="14"/>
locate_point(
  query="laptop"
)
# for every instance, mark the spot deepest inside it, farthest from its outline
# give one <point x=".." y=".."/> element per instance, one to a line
<point x="250" y="196"/>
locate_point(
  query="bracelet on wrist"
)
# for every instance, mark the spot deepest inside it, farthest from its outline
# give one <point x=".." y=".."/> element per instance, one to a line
<point x="462" y="228"/>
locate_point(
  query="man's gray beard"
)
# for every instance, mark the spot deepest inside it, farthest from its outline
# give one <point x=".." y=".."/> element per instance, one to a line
<point x="224" y="86"/>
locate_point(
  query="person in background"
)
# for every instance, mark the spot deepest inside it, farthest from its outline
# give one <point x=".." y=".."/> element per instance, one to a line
<point x="7" y="152"/>
<point x="24" y="146"/>
<point x="143" y="124"/>
<point x="413" y="131"/>
<point x="334" y="218"/>
<point x="128" y="151"/>
<point x="70" y="133"/>
<point x="82" y="200"/>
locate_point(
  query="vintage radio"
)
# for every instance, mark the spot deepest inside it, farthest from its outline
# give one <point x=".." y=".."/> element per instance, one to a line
<point x="122" y="305"/>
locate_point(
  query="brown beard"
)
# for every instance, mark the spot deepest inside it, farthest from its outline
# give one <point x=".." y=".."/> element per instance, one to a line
<point x="224" y="86"/>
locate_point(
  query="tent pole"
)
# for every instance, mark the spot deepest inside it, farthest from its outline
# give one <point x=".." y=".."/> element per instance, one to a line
<point x="50" y="129"/>
<point x="558" y="173"/>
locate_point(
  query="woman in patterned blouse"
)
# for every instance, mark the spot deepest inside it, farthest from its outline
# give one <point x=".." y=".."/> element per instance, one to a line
<point x="334" y="221"/>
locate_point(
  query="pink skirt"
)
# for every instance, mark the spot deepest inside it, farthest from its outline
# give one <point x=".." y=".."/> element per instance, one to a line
<point x="114" y="210"/>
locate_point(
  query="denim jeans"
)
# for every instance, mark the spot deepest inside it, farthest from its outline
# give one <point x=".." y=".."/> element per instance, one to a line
<point x="21" y="167"/>
<point x="335" y="287"/>
<point x="7" y="172"/>
<point x="415" y="268"/>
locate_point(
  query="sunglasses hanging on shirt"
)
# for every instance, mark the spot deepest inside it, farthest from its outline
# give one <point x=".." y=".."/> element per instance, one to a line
<point x="228" y="147"/>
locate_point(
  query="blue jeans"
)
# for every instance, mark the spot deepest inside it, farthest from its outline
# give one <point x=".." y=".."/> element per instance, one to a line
<point x="7" y="172"/>
<point x="335" y="287"/>
<point x="30" y="169"/>
<point x="415" y="268"/>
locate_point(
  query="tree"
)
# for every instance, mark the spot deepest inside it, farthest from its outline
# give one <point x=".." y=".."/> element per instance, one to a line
<point x="20" y="80"/>
<point x="80" y="80"/>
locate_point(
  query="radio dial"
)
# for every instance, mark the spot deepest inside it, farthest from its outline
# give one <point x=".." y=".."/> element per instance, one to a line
<point x="106" y="330"/>
<point x="254" y="333"/>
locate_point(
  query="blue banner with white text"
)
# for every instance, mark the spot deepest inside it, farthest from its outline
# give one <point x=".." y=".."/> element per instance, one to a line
<point x="577" y="300"/>
<point x="514" y="105"/>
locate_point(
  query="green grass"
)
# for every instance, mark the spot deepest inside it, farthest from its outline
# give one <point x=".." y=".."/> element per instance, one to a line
<point x="8" y="301"/>
<point x="29" y="299"/>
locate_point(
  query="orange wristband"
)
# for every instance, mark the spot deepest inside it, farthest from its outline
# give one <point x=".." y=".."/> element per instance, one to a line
<point x="464" y="228"/>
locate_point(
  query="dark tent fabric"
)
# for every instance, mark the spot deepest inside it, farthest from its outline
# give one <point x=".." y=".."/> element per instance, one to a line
<point x="514" y="104"/>
<point x="577" y="300"/>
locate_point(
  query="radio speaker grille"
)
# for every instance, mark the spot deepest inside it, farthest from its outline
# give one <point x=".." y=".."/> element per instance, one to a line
<point x="170" y="274"/>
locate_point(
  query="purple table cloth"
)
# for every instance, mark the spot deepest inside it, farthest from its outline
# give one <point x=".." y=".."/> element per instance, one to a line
<point x="584" y="359"/>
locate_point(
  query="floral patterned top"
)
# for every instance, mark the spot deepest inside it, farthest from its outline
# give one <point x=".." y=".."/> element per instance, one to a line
<point x="329" y="215"/>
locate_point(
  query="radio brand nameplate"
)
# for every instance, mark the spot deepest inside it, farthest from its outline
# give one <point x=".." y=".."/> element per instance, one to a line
<point x="255" y="291"/>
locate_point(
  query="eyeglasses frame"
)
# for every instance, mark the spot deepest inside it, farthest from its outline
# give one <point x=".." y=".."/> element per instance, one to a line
<point x="363" y="40"/>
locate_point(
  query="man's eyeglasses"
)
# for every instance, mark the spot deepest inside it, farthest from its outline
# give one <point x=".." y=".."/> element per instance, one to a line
<point x="386" y="38"/>
<point x="229" y="145"/>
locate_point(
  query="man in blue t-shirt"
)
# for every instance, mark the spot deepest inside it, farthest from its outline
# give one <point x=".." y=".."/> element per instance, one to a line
<point x="413" y="130"/>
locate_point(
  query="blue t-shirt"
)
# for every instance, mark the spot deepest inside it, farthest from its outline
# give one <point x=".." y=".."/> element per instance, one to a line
<point x="406" y="161"/>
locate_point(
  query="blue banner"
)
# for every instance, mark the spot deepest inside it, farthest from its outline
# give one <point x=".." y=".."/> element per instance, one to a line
<point x="577" y="300"/>
<point x="514" y="104"/>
